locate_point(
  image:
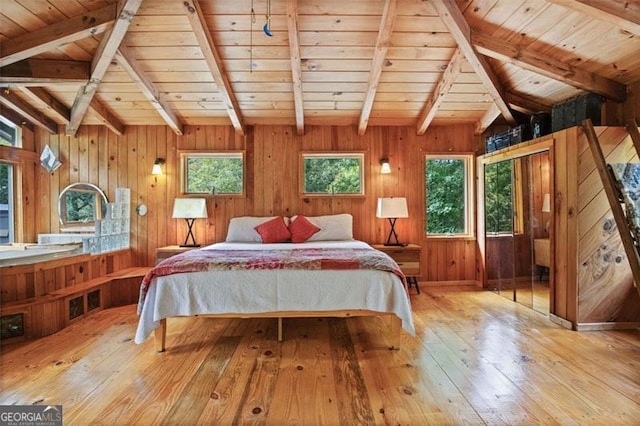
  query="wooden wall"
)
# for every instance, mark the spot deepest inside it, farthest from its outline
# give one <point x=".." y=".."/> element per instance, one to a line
<point x="98" y="156"/>
<point x="593" y="281"/>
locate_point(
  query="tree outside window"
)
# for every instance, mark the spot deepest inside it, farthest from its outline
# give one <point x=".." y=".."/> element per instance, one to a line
<point x="333" y="174"/>
<point x="213" y="173"/>
<point x="448" y="194"/>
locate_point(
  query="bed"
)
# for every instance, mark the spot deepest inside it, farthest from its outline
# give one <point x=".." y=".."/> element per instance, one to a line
<point x="256" y="277"/>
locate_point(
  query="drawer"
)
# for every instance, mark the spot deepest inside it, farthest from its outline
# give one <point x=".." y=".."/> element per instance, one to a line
<point x="406" y="255"/>
<point x="411" y="269"/>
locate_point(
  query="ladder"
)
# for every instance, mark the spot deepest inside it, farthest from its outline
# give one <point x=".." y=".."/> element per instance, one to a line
<point x="629" y="238"/>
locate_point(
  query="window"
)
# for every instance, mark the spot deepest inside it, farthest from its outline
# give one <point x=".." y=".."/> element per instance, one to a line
<point x="10" y="134"/>
<point x="332" y="174"/>
<point x="6" y="203"/>
<point x="216" y="173"/>
<point x="448" y="188"/>
<point x="498" y="187"/>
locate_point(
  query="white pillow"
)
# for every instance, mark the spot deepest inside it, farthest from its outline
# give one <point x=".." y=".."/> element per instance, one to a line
<point x="335" y="227"/>
<point x="241" y="229"/>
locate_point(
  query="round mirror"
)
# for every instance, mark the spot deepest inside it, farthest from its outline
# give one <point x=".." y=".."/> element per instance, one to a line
<point x="80" y="205"/>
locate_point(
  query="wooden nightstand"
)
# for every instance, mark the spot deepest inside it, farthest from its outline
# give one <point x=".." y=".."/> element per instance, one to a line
<point x="163" y="253"/>
<point x="407" y="258"/>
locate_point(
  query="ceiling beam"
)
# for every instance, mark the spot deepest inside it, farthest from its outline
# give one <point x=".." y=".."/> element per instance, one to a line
<point x="48" y="101"/>
<point x="487" y="119"/>
<point x="379" y="55"/>
<point x="106" y="116"/>
<point x="296" y="69"/>
<point x="15" y="118"/>
<point x="544" y="65"/>
<point x="101" y="61"/>
<point x="525" y="104"/>
<point x="211" y="56"/>
<point x="461" y="32"/>
<point x="10" y="100"/>
<point x="148" y="89"/>
<point x="45" y="71"/>
<point x="56" y="35"/>
<point x="623" y="14"/>
<point x="448" y="78"/>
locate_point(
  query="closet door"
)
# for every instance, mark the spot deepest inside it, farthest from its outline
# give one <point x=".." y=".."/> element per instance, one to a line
<point x="499" y="232"/>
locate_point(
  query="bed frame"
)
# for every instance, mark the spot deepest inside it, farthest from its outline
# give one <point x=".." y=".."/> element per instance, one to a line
<point x="393" y="322"/>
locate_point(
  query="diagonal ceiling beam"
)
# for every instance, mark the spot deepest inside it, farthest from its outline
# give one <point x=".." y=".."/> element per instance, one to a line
<point x="10" y="100"/>
<point x="56" y="35"/>
<point x="461" y="32"/>
<point x="296" y="69"/>
<point x="106" y="116"/>
<point x="379" y="55"/>
<point x="48" y="101"/>
<point x="148" y="89"/>
<point x="543" y="64"/>
<point x="44" y="71"/>
<point x="101" y="61"/>
<point x="211" y="56"/>
<point x="449" y="76"/>
<point x="624" y="14"/>
<point x="525" y="104"/>
<point x="487" y="119"/>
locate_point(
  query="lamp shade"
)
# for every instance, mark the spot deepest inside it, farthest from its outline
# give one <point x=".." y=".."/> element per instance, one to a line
<point x="189" y="208"/>
<point x="385" y="168"/>
<point x="546" y="203"/>
<point x="392" y="207"/>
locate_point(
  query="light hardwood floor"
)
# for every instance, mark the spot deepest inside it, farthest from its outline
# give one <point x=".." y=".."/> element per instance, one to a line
<point x="477" y="359"/>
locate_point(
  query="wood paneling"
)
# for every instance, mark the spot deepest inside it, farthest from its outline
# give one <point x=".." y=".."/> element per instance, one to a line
<point x="272" y="156"/>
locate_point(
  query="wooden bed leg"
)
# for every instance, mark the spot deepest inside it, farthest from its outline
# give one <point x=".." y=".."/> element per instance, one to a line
<point x="279" y="329"/>
<point x="395" y="329"/>
<point x="160" y="335"/>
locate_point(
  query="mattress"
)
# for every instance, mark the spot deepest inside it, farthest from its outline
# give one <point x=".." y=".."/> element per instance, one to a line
<point x="252" y="291"/>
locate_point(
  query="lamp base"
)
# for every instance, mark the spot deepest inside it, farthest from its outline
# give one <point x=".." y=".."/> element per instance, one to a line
<point x="190" y="245"/>
<point x="395" y="244"/>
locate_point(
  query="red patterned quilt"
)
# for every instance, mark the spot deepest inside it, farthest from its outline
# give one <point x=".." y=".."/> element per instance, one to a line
<point x="301" y="259"/>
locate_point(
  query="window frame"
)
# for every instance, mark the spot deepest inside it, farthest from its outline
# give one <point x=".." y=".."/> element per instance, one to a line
<point x="469" y="167"/>
<point x="17" y="143"/>
<point x="11" y="201"/>
<point x="359" y="155"/>
<point x="184" y="157"/>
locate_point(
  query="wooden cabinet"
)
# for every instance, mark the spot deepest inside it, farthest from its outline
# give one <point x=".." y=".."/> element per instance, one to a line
<point x="163" y="253"/>
<point x="407" y="258"/>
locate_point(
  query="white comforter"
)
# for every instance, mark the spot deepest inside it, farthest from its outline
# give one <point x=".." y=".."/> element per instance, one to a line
<point x="261" y="291"/>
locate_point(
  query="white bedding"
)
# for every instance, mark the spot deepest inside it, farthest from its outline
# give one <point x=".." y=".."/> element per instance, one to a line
<point x="261" y="291"/>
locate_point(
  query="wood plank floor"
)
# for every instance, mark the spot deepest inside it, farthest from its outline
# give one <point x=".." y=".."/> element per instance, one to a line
<point x="477" y="359"/>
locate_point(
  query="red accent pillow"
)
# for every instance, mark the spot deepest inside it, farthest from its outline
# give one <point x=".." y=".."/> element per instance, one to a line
<point x="274" y="231"/>
<point x="302" y="229"/>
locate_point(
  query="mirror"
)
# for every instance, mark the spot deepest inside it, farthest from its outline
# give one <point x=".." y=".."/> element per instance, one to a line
<point x="517" y="238"/>
<point x="80" y="205"/>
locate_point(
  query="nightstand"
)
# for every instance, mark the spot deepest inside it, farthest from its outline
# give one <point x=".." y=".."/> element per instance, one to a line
<point x="163" y="253"/>
<point x="407" y="258"/>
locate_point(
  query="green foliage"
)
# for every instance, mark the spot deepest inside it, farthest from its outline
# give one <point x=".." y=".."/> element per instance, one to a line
<point x="80" y="206"/>
<point x="445" y="195"/>
<point x="219" y="175"/>
<point x="498" y="178"/>
<point x="5" y="169"/>
<point x="332" y="175"/>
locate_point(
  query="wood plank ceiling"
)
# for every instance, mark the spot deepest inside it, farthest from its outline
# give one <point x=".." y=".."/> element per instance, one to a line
<point x="328" y="62"/>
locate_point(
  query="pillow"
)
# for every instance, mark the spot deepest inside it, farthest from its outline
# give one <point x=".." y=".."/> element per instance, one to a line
<point x="242" y="229"/>
<point x="274" y="231"/>
<point x="336" y="227"/>
<point x="301" y="229"/>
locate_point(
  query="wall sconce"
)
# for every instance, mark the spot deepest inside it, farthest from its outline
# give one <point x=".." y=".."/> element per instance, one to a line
<point x="385" y="168"/>
<point x="157" y="166"/>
